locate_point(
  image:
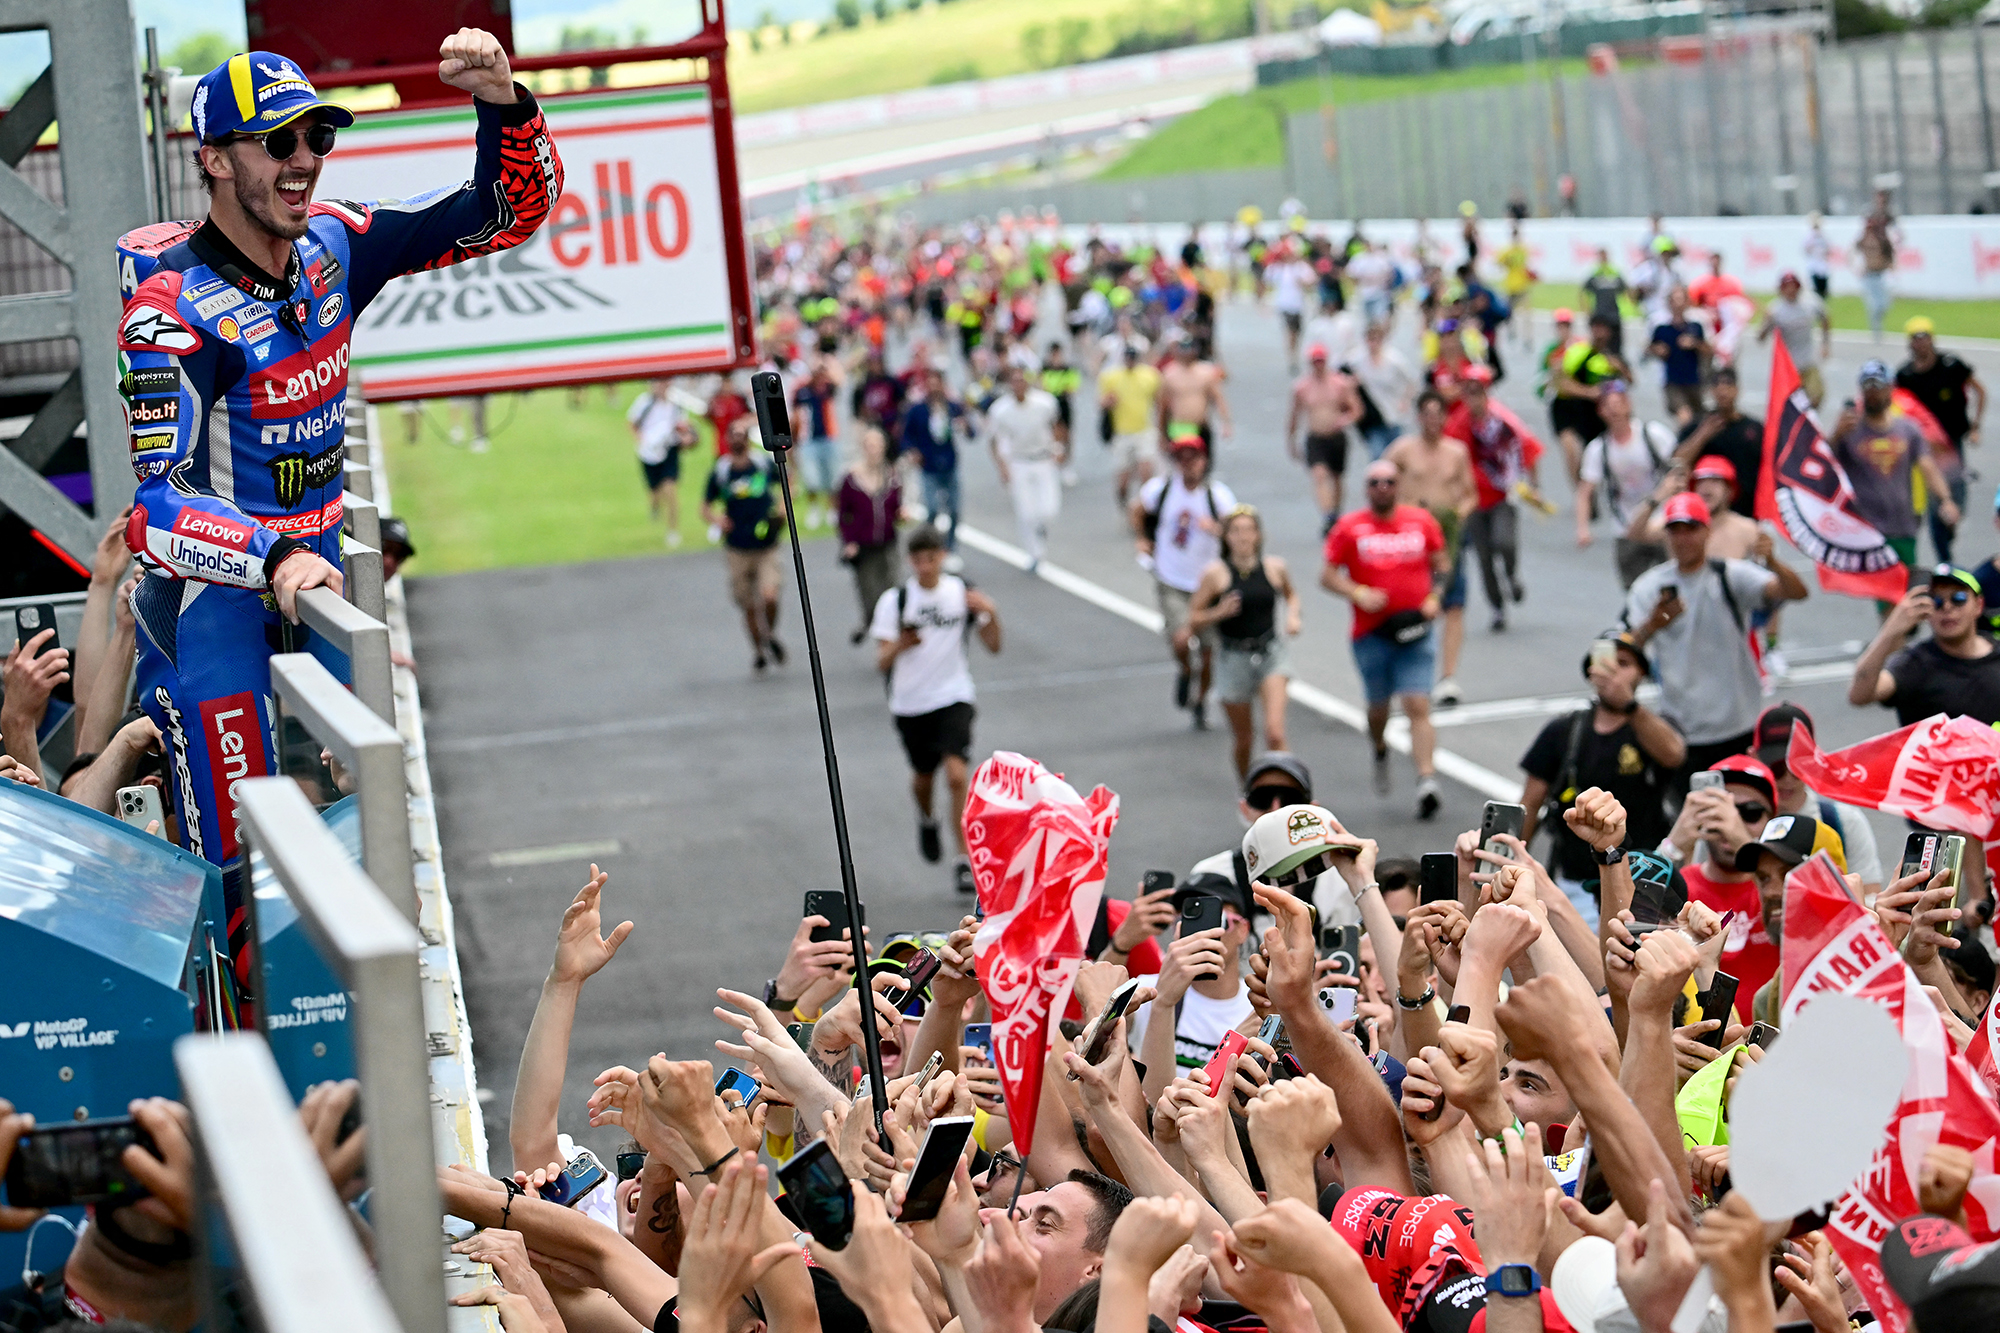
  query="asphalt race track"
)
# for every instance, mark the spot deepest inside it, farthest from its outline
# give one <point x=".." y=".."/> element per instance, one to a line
<point x="608" y="713"/>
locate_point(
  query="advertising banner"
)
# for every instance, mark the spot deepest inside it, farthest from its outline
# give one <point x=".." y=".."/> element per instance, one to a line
<point x="629" y="277"/>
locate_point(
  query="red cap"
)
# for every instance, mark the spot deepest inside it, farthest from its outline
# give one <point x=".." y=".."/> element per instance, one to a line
<point x="1564" y="315"/>
<point x="1477" y="374"/>
<point x="1749" y="770"/>
<point x="1317" y="352"/>
<point x="1714" y="465"/>
<point x="1686" y="507"/>
<point x="1193" y="442"/>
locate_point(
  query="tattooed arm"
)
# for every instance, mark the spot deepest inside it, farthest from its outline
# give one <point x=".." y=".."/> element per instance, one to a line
<point x="662" y="1228"/>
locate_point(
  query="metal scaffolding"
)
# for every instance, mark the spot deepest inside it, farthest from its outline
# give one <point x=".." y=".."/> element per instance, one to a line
<point x="92" y="88"/>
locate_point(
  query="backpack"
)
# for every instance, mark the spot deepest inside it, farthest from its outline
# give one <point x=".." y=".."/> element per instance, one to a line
<point x="1149" y="519"/>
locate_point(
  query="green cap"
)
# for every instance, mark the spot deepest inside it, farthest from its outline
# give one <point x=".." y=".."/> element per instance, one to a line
<point x="1699" y="1107"/>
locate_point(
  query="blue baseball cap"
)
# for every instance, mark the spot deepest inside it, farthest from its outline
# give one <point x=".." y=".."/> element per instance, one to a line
<point x="257" y="91"/>
<point x="1875" y="372"/>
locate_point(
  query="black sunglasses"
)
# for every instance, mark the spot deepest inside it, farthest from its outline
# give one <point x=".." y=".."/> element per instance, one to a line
<point x="1272" y="795"/>
<point x="1956" y="597"/>
<point x="630" y="1164"/>
<point x="1750" y="811"/>
<point x="280" y="144"/>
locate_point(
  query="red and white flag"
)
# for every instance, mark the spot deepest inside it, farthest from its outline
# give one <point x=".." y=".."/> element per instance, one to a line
<point x="1038" y="852"/>
<point x="1833" y="945"/>
<point x="1943" y="772"/>
<point x="1803" y="487"/>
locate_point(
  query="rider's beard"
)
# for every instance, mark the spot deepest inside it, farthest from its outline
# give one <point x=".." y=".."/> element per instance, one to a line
<point x="260" y="205"/>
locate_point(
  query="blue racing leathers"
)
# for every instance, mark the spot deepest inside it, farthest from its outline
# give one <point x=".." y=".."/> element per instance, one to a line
<point x="236" y="384"/>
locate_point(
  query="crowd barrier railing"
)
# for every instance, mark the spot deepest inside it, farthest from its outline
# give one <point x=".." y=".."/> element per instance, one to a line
<point x="370" y="944"/>
<point x="261" y="1191"/>
<point x="370" y="749"/>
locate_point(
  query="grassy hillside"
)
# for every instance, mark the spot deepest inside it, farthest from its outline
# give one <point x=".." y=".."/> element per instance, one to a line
<point x="964" y="39"/>
<point x="1243" y="130"/>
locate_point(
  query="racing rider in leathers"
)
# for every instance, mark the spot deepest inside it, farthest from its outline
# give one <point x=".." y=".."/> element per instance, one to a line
<point x="235" y="339"/>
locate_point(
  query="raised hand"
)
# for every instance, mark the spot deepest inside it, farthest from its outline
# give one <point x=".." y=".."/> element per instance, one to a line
<point x="1656" y="1264"/>
<point x="581" y="949"/>
<point x="1665" y="961"/>
<point x="808" y="960"/>
<point x="1292" y="979"/>
<point x="1149" y="1231"/>
<point x="721" y="1260"/>
<point x="1292" y="1119"/>
<point x="1597" y="818"/>
<point x="472" y="60"/>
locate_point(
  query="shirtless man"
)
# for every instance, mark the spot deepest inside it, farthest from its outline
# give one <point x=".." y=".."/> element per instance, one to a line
<point x="1437" y="474"/>
<point x="1731" y="536"/>
<point x="1190" y="392"/>
<point x="1329" y="404"/>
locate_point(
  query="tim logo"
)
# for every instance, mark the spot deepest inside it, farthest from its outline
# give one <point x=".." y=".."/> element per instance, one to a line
<point x="302" y="381"/>
<point x="234" y="731"/>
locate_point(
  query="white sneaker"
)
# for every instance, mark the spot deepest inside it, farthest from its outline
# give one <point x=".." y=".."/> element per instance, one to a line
<point x="714" y="534"/>
<point x="1775" y="665"/>
<point x="1446" y="694"/>
<point x="478" y="444"/>
<point x="673" y="536"/>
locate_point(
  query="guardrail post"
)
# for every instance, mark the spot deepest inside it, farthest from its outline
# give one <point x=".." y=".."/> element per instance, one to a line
<point x="374" y="951"/>
<point x="258" y="1176"/>
<point x="361" y="566"/>
<point x="363" y="519"/>
<point x="364" y="638"/>
<point x="360" y="477"/>
<point x="372" y="751"/>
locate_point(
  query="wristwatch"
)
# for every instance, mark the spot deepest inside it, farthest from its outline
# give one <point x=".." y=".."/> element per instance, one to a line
<point x="1608" y="858"/>
<point x="1513" y="1280"/>
<point x="771" y="1000"/>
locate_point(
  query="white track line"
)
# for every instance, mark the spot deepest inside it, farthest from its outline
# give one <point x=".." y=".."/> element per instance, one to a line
<point x="1494" y="786"/>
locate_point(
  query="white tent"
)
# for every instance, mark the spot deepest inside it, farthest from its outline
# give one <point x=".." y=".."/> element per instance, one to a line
<point x="1344" y="27"/>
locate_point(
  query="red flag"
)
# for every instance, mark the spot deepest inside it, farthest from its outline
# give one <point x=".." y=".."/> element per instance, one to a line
<point x="1802" y="486"/>
<point x="1943" y="772"/>
<point x="1832" y="944"/>
<point x="1979" y="1052"/>
<point x="1038" y="852"/>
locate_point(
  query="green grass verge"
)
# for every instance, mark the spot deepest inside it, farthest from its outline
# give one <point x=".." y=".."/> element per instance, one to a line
<point x="1961" y="319"/>
<point x="1244" y="129"/>
<point x="560" y="484"/>
<point x="966" y="39"/>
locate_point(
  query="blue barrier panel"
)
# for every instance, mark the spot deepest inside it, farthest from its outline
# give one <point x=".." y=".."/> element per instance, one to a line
<point x="104" y="931"/>
<point x="308" y="1013"/>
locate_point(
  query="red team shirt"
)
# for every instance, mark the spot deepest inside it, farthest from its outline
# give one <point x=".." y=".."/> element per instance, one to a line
<point x="1751" y="956"/>
<point x="1393" y="554"/>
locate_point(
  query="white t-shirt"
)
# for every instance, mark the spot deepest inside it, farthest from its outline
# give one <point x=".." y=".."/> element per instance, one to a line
<point x="1819" y="255"/>
<point x="1203" y="1022"/>
<point x="657" y="420"/>
<point x="935" y="673"/>
<point x="1370" y="271"/>
<point x="1798" y="324"/>
<point x="1024" y="428"/>
<point x="1390" y="382"/>
<point x="1338" y="331"/>
<point x="1288" y="285"/>
<point x="1633" y="465"/>
<point x="1182" y="548"/>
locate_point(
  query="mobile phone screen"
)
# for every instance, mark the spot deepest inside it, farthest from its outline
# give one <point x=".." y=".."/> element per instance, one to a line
<point x="1437" y="877"/>
<point x="820" y="1195"/>
<point x="931" y="1177"/>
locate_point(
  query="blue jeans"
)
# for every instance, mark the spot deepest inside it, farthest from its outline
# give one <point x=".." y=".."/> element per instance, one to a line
<point x="819" y="464"/>
<point x="1389" y="669"/>
<point x="1379" y="438"/>
<point x="1875" y="296"/>
<point x="941" y="498"/>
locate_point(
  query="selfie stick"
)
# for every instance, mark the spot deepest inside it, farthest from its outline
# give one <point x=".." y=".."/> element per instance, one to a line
<point x="775" y="425"/>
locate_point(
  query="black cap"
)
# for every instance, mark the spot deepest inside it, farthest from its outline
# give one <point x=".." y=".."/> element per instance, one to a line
<point x="1280" y="761"/>
<point x="395" y="532"/>
<point x="1790" y="838"/>
<point x="1772" y="735"/>
<point x="1945" y="1279"/>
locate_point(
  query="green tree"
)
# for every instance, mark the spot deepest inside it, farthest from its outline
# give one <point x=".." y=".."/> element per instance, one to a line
<point x="199" y="52"/>
<point x="881" y="11"/>
<point x="913" y="5"/>
<point x="1035" y="45"/>
<point x="847" y="13"/>
<point x="1071" y="34"/>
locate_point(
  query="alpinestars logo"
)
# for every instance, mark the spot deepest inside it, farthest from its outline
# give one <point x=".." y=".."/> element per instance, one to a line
<point x="294" y="474"/>
<point x="148" y="326"/>
<point x="183" y="776"/>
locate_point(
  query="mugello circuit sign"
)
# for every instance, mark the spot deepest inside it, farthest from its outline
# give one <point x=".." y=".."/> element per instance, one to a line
<point x="627" y="277"/>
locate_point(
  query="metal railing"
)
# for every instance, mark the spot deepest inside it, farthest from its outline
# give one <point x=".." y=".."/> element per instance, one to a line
<point x="362" y="636"/>
<point x="372" y="751"/>
<point x="373" y="949"/>
<point x="261" y="1188"/>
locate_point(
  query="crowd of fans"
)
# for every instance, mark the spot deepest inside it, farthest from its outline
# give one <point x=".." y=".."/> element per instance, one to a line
<point x="1452" y="1110"/>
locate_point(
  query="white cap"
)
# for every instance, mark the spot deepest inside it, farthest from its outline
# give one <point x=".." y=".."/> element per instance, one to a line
<point x="1584" y="1272"/>
<point x="1284" y="839"/>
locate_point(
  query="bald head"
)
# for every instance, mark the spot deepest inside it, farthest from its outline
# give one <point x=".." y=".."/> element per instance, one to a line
<point x="1381" y="480"/>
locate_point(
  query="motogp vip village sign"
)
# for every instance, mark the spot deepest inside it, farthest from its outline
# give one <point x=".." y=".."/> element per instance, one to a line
<point x="628" y="276"/>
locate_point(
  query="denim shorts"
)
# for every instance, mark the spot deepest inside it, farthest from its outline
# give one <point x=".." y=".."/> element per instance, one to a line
<point x="1389" y="669"/>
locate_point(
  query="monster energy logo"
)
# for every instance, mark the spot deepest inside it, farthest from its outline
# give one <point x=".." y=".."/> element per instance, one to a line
<point x="292" y="474"/>
<point x="183" y="777"/>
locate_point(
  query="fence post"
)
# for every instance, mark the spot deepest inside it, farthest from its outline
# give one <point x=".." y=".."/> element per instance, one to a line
<point x="373" y="951"/>
<point x="1815" y="123"/>
<point x="1991" y="181"/>
<point x="1786" y="181"/>
<point x="1896" y="110"/>
<point x="1866" y="182"/>
<point x="370" y="749"/>
<point x="261" y="1189"/>
<point x="1940" y="127"/>
<point x="364" y="638"/>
